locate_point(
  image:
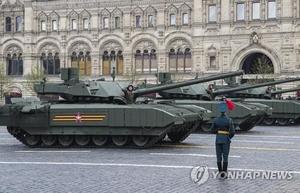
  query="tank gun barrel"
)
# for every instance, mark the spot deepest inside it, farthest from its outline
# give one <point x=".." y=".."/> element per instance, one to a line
<point x="241" y="88"/>
<point x="144" y="91"/>
<point x="286" y="90"/>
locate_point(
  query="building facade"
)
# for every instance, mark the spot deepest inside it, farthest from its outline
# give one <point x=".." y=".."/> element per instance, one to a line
<point x="138" y="38"/>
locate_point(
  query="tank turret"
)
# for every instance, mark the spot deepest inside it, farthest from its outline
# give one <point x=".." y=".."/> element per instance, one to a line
<point x="74" y="90"/>
<point x="262" y="90"/>
<point x="286" y="90"/>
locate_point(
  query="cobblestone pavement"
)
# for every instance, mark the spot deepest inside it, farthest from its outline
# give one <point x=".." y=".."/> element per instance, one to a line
<point x="164" y="168"/>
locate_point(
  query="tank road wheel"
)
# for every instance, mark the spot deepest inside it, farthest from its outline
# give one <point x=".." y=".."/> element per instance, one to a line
<point x="268" y="121"/>
<point x="120" y="140"/>
<point x="49" y="140"/>
<point x="82" y="140"/>
<point x="140" y="140"/>
<point x="32" y="140"/>
<point x="283" y="122"/>
<point x="100" y="140"/>
<point x="65" y="140"/>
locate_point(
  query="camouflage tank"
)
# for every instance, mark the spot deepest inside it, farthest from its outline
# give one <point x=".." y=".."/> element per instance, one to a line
<point x="284" y="112"/>
<point x="95" y="112"/>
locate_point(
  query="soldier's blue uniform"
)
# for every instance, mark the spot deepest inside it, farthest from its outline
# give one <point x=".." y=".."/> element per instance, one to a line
<point x="223" y="127"/>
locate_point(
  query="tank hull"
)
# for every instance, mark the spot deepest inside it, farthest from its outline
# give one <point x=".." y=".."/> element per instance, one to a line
<point x="36" y="123"/>
<point x="244" y="116"/>
<point x="284" y="112"/>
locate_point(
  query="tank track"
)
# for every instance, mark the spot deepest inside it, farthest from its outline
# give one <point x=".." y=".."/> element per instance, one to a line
<point x="36" y="141"/>
<point x="250" y="123"/>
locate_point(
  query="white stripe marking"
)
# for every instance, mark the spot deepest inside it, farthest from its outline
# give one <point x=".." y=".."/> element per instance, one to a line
<point x="7" y="138"/>
<point x="11" y="143"/>
<point x="234" y="147"/>
<point x="52" y="151"/>
<point x="253" y="141"/>
<point x="190" y="154"/>
<point x="130" y="165"/>
<point x="270" y="136"/>
<point x="205" y="136"/>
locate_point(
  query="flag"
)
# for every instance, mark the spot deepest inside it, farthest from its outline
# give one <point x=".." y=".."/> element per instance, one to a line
<point x="230" y="104"/>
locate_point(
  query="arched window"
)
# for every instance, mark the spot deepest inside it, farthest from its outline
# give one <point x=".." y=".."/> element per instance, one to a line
<point x="82" y="60"/>
<point x="56" y="63"/>
<point x="14" y="64"/>
<point x="19" y="23"/>
<point x="187" y="60"/>
<point x="8" y="24"/>
<point x="120" y="63"/>
<point x="74" y="60"/>
<point x="146" y="62"/>
<point x="112" y="60"/>
<point x="50" y="63"/>
<point x="153" y="61"/>
<point x="180" y="60"/>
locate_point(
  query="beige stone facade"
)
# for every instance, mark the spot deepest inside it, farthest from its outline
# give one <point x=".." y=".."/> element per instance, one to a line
<point x="138" y="38"/>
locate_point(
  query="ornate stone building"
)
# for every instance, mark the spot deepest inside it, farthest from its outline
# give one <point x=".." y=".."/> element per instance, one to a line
<point x="138" y="38"/>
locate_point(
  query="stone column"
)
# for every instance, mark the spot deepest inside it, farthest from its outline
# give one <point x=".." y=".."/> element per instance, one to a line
<point x="28" y="58"/>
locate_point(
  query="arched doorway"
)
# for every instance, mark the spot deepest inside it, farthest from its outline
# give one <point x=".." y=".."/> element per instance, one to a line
<point x="257" y="63"/>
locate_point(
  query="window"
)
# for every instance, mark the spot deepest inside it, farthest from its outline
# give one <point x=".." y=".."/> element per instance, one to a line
<point x="255" y="11"/>
<point x="117" y="22"/>
<point x="185" y="19"/>
<point x="86" y="23"/>
<point x="138" y="21"/>
<point x="212" y="62"/>
<point x="271" y="9"/>
<point x="212" y="13"/>
<point x="180" y="60"/>
<point x="19" y="22"/>
<point x="146" y="61"/>
<point x="150" y="21"/>
<point x="54" y="25"/>
<point x="43" y="25"/>
<point x="82" y="61"/>
<point x="50" y="63"/>
<point x="8" y="24"/>
<point x="105" y="23"/>
<point x="172" y="19"/>
<point x="112" y="61"/>
<point x="240" y="11"/>
<point x="14" y="64"/>
<point x="74" y="24"/>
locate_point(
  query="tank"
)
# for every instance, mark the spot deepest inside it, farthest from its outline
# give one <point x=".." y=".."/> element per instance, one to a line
<point x="97" y="112"/>
<point x="284" y="112"/>
<point x="245" y="116"/>
<point x="247" y="113"/>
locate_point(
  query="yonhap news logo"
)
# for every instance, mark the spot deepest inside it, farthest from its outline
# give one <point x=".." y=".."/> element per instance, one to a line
<point x="201" y="174"/>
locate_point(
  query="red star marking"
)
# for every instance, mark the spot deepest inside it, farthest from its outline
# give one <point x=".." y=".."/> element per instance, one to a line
<point x="78" y="118"/>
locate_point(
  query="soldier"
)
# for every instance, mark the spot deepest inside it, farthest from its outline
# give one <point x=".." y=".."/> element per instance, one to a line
<point x="223" y="127"/>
